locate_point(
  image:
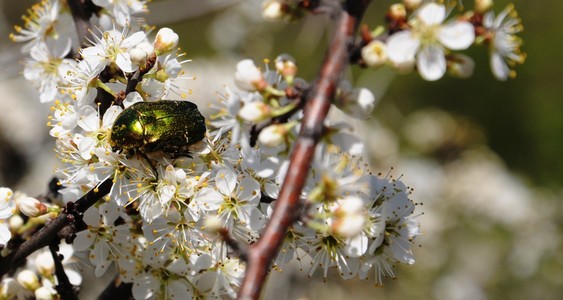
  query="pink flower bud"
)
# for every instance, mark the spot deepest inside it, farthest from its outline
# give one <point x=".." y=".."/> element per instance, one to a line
<point x="285" y="64"/>
<point x="248" y="77"/>
<point x="32" y="207"/>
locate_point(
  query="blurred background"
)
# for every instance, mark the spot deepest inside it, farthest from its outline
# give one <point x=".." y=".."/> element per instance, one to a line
<point x="483" y="157"/>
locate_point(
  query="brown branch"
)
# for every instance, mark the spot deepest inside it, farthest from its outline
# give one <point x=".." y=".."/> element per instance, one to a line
<point x="46" y="234"/>
<point x="261" y="254"/>
<point x="64" y="287"/>
<point x="81" y="16"/>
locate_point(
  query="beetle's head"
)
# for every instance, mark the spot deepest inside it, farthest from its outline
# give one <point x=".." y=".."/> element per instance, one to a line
<point x="127" y="132"/>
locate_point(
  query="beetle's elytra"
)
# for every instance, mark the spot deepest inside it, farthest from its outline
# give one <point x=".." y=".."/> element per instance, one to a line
<point x="166" y="125"/>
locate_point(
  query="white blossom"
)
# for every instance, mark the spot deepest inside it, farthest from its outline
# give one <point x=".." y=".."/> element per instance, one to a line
<point x="504" y="44"/>
<point x="113" y="47"/>
<point x="375" y="54"/>
<point x="248" y="77"/>
<point x="166" y="40"/>
<point x="47" y="69"/>
<point x="428" y="41"/>
<point x="122" y="10"/>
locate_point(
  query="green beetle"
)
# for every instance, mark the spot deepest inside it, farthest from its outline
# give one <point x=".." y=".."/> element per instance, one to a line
<point x="166" y="125"/>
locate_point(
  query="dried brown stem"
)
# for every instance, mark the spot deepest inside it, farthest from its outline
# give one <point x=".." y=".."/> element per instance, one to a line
<point x="261" y="254"/>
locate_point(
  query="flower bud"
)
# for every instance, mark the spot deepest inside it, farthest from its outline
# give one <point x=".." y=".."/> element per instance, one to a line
<point x="482" y="6"/>
<point x="32" y="207"/>
<point x="374" y="54"/>
<point x="8" y="288"/>
<point x="44" y="293"/>
<point x="273" y="10"/>
<point x="255" y="111"/>
<point x="45" y="264"/>
<point x="166" y="40"/>
<point x="28" y="280"/>
<point x="15" y="222"/>
<point x="138" y="56"/>
<point x="349" y="217"/>
<point x="285" y="64"/>
<point x="357" y="103"/>
<point x="349" y="226"/>
<point x="248" y="77"/>
<point x="412" y="4"/>
<point x="350" y="205"/>
<point x="397" y="11"/>
<point x="460" y="66"/>
<point x="273" y="135"/>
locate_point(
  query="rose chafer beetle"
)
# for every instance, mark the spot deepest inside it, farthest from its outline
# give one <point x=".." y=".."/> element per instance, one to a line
<point x="166" y="125"/>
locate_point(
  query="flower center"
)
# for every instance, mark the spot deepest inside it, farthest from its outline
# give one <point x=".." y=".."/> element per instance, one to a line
<point x="427" y="34"/>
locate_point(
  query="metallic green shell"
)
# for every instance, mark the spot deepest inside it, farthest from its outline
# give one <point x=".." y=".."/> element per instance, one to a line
<point x="164" y="125"/>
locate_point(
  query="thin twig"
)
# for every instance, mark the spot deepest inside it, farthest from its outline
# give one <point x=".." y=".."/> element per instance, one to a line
<point x="81" y="17"/>
<point x="237" y="246"/>
<point x="261" y="254"/>
<point x="64" y="287"/>
<point x="46" y="234"/>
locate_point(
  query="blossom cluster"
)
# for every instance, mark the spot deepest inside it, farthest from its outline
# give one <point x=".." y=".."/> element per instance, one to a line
<point x="157" y="227"/>
<point x="21" y="214"/>
<point x="420" y="35"/>
<point x="425" y="36"/>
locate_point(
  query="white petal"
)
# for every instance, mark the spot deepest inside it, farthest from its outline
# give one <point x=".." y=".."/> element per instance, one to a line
<point x="499" y="67"/>
<point x="102" y="3"/>
<point x="123" y="61"/>
<point x="179" y="289"/>
<point x="145" y="287"/>
<point x="92" y="216"/>
<point x="249" y="190"/>
<point x="110" y="116"/>
<point x="40" y="52"/>
<point x="226" y="180"/>
<point x="432" y="13"/>
<point x="208" y="199"/>
<point x="83" y="240"/>
<point x="166" y="193"/>
<point x="457" y="35"/>
<point x="89" y="119"/>
<point x="402" y="47"/>
<point x="73" y="276"/>
<point x="133" y="39"/>
<point x="110" y="213"/>
<point x="86" y="146"/>
<point x="5" y="234"/>
<point x="431" y="62"/>
<point x="100" y="258"/>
